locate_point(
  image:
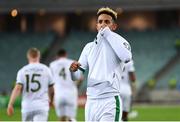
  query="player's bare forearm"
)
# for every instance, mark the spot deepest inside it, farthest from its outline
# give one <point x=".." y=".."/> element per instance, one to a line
<point x="132" y="76"/>
<point x="15" y="93"/>
<point x="78" y="82"/>
<point x="51" y="94"/>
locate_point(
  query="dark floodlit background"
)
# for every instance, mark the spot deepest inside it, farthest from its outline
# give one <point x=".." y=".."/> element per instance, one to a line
<point x="151" y="26"/>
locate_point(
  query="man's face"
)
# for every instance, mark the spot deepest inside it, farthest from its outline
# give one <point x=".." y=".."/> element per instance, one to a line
<point x="105" y="20"/>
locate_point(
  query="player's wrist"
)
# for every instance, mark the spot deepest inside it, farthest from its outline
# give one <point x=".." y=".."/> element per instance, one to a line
<point x="10" y="105"/>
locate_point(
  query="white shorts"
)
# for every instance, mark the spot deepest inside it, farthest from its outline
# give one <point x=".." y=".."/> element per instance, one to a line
<point x="126" y="102"/>
<point x="103" y="109"/>
<point x="66" y="107"/>
<point x="39" y="115"/>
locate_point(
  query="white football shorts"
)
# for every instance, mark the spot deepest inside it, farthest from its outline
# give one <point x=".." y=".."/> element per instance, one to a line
<point x="66" y="106"/>
<point x="126" y="102"/>
<point x="38" y="115"/>
<point x="103" y="109"/>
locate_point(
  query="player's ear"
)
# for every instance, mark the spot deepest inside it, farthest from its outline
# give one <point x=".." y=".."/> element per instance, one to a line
<point x="114" y="26"/>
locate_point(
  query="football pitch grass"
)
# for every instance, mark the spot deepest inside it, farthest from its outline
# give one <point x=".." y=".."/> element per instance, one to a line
<point x="141" y="113"/>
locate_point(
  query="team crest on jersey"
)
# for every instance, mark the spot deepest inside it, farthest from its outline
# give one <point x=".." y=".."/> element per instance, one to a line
<point x="127" y="46"/>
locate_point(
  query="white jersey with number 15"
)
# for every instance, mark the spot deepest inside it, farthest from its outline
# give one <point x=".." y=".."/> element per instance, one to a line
<point x="36" y="79"/>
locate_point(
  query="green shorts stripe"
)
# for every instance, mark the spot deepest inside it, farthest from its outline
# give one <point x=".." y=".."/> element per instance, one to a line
<point x="117" y="109"/>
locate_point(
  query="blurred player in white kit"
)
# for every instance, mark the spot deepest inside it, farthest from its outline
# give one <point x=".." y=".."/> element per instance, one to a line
<point x="35" y="82"/>
<point x="128" y="81"/>
<point x="66" y="93"/>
